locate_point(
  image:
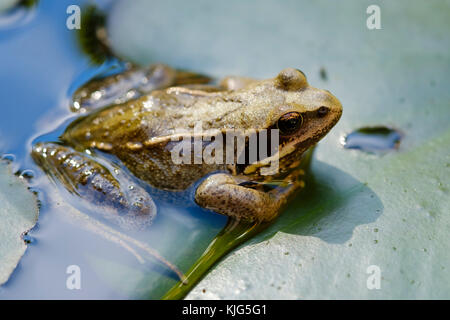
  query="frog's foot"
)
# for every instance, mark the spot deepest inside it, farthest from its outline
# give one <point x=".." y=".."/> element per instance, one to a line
<point x="122" y="203"/>
<point x="227" y="195"/>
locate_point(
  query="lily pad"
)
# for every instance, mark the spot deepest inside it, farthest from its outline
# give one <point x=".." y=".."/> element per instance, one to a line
<point x="18" y="214"/>
<point x="359" y="210"/>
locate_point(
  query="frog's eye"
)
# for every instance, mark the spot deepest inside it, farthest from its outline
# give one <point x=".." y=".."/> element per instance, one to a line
<point x="289" y="122"/>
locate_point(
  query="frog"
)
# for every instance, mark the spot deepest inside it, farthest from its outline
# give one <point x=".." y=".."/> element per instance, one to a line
<point x="140" y="133"/>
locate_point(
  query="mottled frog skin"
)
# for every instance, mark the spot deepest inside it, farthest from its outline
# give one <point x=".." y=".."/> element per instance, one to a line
<point x="140" y="131"/>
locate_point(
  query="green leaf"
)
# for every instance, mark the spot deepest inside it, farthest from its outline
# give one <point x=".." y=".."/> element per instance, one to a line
<point x="18" y="214"/>
<point x="358" y="209"/>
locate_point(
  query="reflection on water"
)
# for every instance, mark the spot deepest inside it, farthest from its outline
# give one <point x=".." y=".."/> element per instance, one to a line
<point x="41" y="68"/>
<point x="16" y="13"/>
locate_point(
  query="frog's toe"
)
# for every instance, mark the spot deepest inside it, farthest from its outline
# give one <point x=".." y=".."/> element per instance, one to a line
<point x="222" y="194"/>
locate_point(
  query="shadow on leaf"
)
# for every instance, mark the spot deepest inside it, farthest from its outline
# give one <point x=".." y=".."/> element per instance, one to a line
<point x="331" y="206"/>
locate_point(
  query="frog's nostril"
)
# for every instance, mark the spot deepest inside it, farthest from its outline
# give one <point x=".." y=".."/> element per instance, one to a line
<point x="322" y="111"/>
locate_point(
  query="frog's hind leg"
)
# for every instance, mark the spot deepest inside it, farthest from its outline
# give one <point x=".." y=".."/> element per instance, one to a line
<point x="130" y="208"/>
<point x="124" y="204"/>
<point x="131" y="84"/>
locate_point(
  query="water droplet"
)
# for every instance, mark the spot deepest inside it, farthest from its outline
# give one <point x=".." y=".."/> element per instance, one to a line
<point x="28" y="239"/>
<point x="26" y="174"/>
<point x="76" y="106"/>
<point x="138" y="204"/>
<point x="104" y="146"/>
<point x="96" y="95"/>
<point x="134" y="145"/>
<point x="130" y="94"/>
<point x="8" y="157"/>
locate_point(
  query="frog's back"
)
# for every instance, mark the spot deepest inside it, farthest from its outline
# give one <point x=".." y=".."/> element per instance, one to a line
<point x="140" y="133"/>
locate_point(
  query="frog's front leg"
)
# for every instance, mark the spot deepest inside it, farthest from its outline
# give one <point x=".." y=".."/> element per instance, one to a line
<point x="120" y="202"/>
<point x="227" y="195"/>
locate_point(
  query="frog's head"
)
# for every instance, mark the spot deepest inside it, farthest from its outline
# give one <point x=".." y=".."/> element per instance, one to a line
<point x="302" y="114"/>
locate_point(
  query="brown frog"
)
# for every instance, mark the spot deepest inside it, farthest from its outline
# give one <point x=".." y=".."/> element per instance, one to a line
<point x="142" y="132"/>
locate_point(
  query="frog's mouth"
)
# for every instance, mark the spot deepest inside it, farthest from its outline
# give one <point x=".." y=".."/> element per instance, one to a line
<point x="270" y="166"/>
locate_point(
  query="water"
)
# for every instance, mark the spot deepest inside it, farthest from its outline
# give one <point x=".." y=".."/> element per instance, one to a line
<point x="41" y="67"/>
<point x="378" y="139"/>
